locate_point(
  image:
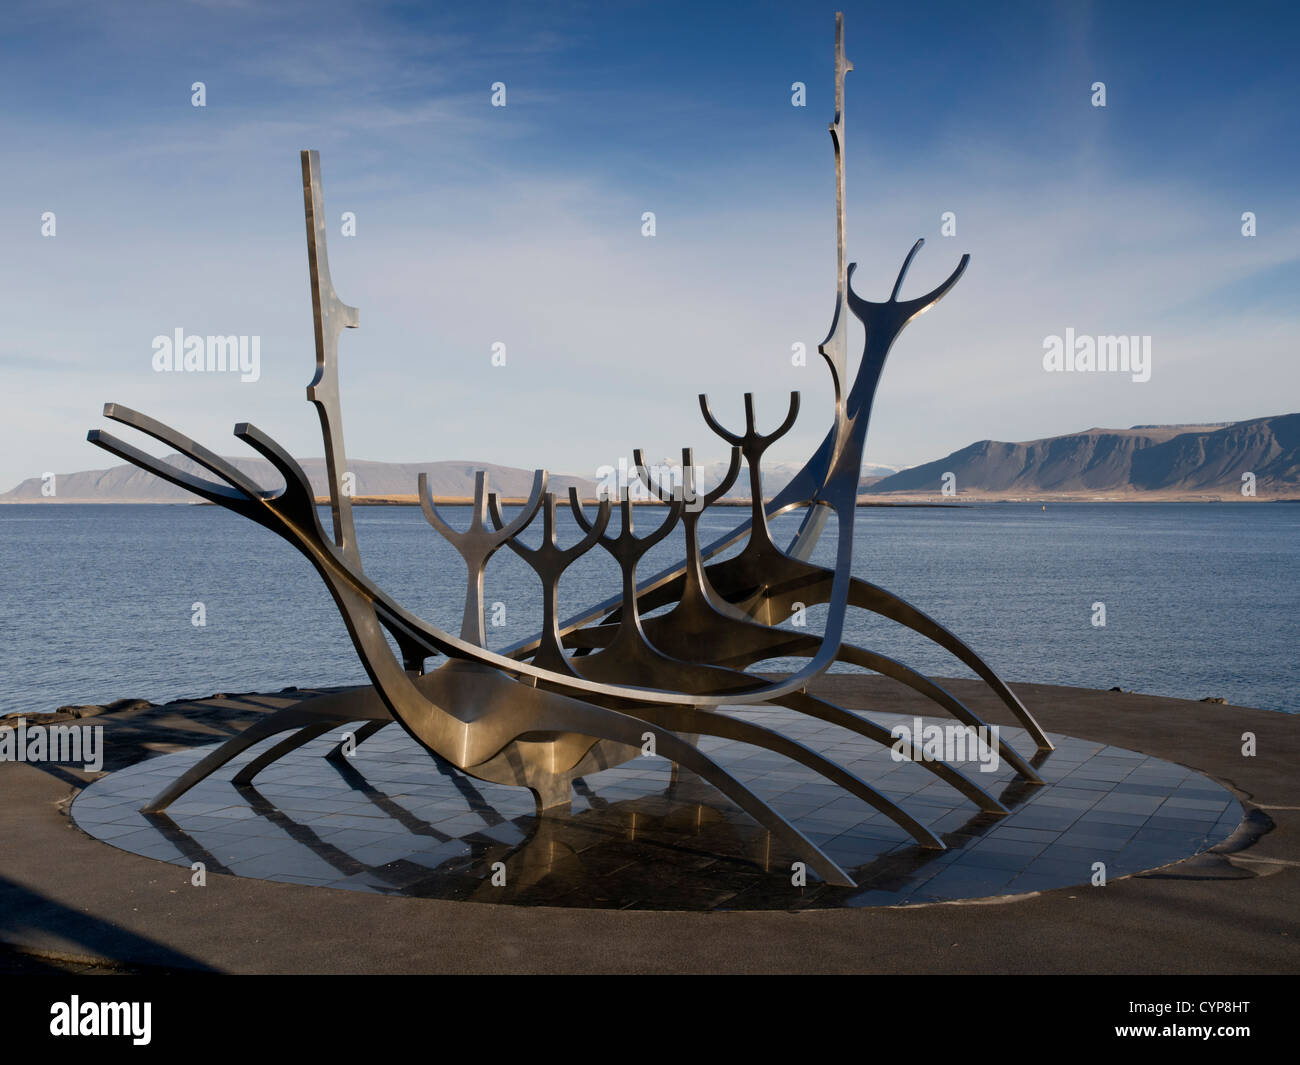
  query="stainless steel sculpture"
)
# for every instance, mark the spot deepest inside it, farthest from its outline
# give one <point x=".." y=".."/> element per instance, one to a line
<point x="538" y="716"/>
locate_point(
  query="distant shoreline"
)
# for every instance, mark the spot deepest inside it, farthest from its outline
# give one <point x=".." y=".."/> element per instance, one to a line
<point x="962" y="499"/>
<point x="441" y="501"/>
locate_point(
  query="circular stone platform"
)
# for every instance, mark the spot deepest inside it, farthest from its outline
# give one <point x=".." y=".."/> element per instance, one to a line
<point x="396" y="821"/>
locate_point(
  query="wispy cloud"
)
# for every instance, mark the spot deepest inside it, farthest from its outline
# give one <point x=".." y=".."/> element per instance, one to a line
<point x="522" y="225"/>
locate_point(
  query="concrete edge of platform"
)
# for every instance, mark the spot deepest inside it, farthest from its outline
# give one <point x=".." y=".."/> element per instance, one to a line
<point x="73" y="900"/>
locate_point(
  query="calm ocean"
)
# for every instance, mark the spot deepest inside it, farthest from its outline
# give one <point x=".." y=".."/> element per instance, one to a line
<point x="1200" y="599"/>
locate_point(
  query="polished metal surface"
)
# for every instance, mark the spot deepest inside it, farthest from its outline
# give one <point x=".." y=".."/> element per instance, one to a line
<point x="331" y="316"/>
<point x="479" y="543"/>
<point x="610" y="683"/>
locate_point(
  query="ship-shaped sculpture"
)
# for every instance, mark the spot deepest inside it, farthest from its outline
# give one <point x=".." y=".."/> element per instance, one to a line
<point x="593" y="690"/>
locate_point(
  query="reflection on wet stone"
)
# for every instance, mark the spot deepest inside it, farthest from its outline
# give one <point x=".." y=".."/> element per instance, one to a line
<point x="393" y="821"/>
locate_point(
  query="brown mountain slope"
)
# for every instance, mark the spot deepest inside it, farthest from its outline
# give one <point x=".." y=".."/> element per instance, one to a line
<point x="1162" y="459"/>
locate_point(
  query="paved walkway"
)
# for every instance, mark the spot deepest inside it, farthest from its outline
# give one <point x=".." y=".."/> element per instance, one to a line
<point x="71" y="900"/>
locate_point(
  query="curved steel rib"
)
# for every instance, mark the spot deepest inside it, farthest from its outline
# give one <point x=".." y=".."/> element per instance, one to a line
<point x="330" y="710"/>
<point x="707" y="723"/>
<point x="286" y="746"/>
<point x="479" y="543"/>
<point x="549" y="561"/>
<point x="753" y="445"/>
<point x="338" y="753"/>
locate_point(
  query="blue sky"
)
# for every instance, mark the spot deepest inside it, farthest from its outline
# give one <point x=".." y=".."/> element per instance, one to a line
<point x="521" y="224"/>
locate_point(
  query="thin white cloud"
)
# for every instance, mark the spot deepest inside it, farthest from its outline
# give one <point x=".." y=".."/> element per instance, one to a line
<point x="610" y="335"/>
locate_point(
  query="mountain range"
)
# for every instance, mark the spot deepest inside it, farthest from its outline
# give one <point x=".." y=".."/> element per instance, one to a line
<point x="1143" y="462"/>
<point x="447" y="480"/>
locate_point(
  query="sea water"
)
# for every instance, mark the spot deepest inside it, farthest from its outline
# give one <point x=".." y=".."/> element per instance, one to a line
<point x="101" y="602"/>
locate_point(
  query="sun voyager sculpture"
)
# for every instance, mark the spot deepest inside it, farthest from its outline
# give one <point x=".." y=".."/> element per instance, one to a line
<point x="589" y="691"/>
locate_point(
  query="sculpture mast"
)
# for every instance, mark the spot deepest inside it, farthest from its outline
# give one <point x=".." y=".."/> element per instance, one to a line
<point x="834" y="349"/>
<point x="331" y="317"/>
